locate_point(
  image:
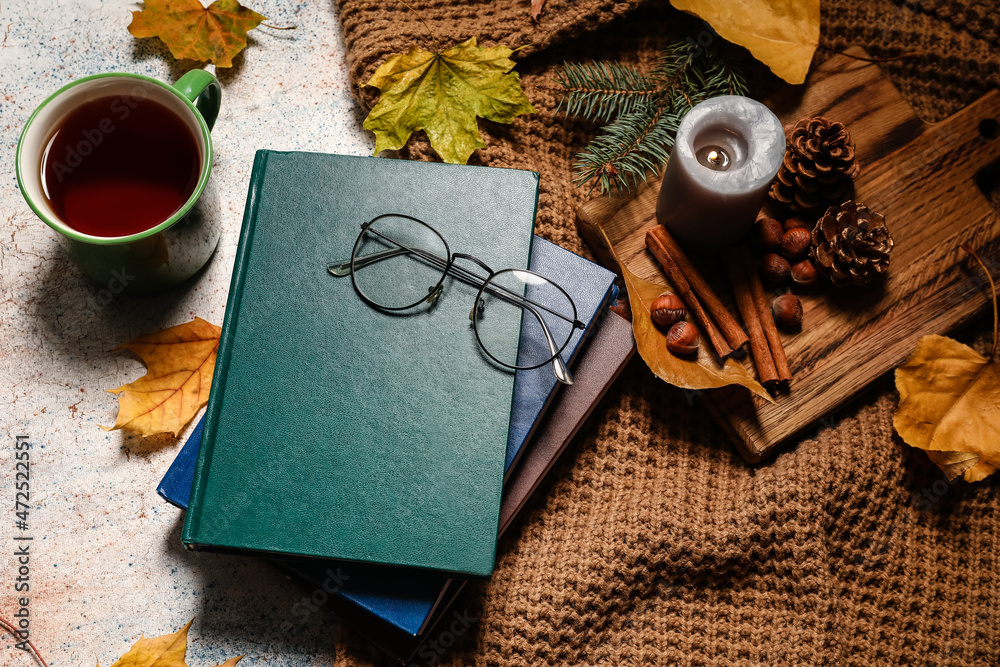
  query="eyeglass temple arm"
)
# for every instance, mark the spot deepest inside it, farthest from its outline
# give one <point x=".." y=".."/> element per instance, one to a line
<point x="558" y="365"/>
<point x="341" y="269"/>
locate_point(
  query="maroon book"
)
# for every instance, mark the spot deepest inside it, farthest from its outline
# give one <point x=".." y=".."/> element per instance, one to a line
<point x="603" y="360"/>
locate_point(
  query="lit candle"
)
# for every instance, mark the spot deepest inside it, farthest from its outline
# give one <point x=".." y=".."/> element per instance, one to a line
<point x="727" y="152"/>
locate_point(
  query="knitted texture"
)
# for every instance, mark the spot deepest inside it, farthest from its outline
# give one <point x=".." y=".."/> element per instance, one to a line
<point x="655" y="544"/>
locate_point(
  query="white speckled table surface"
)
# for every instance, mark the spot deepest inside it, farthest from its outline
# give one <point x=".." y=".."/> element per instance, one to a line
<point x="106" y="562"/>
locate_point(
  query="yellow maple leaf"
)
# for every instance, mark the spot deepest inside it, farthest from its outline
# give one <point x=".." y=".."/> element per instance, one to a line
<point x="165" y="651"/>
<point x="782" y="34"/>
<point x="179" y="364"/>
<point x="442" y="94"/>
<point x="949" y="403"/>
<point x="215" y="33"/>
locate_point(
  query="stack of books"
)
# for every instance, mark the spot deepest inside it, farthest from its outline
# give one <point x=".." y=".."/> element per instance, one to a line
<point x="385" y="448"/>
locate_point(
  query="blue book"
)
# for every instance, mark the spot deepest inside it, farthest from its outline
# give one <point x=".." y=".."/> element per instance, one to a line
<point x="404" y="598"/>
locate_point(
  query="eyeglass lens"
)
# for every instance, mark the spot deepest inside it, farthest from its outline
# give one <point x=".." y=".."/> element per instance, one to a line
<point x="399" y="279"/>
<point x="543" y="302"/>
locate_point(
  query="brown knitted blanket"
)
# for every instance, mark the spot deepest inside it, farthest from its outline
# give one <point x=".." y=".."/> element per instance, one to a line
<point x="655" y="543"/>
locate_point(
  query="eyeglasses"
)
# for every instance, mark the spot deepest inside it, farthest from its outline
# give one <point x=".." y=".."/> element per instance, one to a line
<point x="399" y="262"/>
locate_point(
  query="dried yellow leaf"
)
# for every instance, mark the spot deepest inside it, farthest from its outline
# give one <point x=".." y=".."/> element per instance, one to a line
<point x="165" y="651"/>
<point x="216" y="33"/>
<point x="782" y="34"/>
<point x="179" y="363"/>
<point x="702" y="372"/>
<point x="949" y="402"/>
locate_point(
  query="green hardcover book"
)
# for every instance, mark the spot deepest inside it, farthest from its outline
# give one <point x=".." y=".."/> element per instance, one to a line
<point x="338" y="430"/>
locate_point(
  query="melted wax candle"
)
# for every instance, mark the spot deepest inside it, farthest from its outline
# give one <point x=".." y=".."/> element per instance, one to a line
<point x="727" y="151"/>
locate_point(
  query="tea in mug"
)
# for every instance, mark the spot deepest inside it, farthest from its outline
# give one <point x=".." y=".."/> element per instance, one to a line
<point x="119" y="165"/>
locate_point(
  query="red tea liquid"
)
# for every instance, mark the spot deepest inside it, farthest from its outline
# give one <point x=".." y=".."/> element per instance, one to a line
<point x="119" y="165"/>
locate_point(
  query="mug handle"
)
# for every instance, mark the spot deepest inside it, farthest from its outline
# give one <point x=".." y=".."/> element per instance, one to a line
<point x="204" y="91"/>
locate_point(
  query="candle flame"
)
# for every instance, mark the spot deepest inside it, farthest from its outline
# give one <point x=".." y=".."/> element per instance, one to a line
<point x="713" y="157"/>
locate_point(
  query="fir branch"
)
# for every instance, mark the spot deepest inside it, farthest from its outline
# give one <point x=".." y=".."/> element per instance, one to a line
<point x="603" y="90"/>
<point x="720" y="78"/>
<point x="642" y="111"/>
<point x="630" y="147"/>
<point x="674" y="70"/>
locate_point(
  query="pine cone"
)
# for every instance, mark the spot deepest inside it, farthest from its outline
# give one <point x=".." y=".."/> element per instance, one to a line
<point x="851" y="244"/>
<point x="819" y="166"/>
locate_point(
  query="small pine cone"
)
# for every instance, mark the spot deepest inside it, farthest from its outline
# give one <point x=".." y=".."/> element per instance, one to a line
<point x="819" y="166"/>
<point x="851" y="244"/>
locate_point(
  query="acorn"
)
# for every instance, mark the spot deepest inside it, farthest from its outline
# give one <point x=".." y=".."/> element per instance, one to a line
<point x="667" y="309"/>
<point x="787" y="311"/>
<point x="795" y="243"/>
<point x="774" y="269"/>
<point x="796" y="223"/>
<point x="804" y="273"/>
<point x="682" y="338"/>
<point x="767" y="234"/>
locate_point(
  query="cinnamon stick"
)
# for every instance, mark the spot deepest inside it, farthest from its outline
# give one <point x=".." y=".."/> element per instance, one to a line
<point x="659" y="237"/>
<point x="766" y="319"/>
<point x="687" y="295"/>
<point x="767" y="374"/>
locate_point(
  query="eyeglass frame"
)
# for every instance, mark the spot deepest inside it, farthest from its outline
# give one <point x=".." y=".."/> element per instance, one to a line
<point x="465" y="275"/>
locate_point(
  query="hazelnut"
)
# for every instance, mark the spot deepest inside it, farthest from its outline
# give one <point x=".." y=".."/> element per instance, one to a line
<point x="667" y="309"/>
<point x="796" y="243"/>
<point x="682" y="338"/>
<point x="804" y="273"/>
<point x="787" y="311"/>
<point x="796" y="223"/>
<point x="767" y="234"/>
<point x="774" y="269"/>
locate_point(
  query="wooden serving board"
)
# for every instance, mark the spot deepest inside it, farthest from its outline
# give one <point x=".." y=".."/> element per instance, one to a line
<point x="923" y="178"/>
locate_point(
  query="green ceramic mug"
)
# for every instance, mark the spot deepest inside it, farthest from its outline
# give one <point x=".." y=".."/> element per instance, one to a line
<point x="171" y="250"/>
